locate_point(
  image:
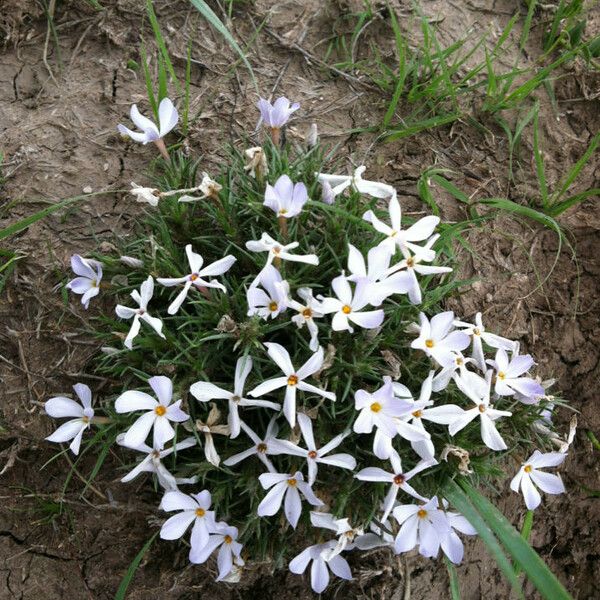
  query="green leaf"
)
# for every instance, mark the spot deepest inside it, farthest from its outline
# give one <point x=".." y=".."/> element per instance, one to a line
<point x="461" y="502"/>
<point x="453" y="575"/>
<point x="135" y="563"/>
<point x="215" y="22"/>
<point x="522" y="553"/>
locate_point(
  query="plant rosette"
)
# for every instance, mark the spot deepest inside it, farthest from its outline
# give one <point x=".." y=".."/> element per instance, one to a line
<point x="287" y="362"/>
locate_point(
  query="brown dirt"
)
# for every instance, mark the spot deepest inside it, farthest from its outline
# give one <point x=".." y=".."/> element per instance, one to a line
<point x="59" y="137"/>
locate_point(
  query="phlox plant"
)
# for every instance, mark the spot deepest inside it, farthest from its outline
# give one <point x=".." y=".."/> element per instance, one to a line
<point x="278" y="333"/>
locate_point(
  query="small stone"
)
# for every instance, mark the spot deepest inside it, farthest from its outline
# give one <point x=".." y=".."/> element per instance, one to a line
<point x="87" y="189"/>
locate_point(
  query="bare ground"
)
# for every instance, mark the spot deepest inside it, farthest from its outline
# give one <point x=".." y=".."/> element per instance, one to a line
<point x="59" y="137"/>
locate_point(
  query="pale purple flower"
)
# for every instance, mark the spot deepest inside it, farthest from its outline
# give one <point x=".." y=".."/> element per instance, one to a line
<point x="509" y="380"/>
<point x="205" y="391"/>
<point x="403" y="238"/>
<point x="342" y="528"/>
<point x="314" y="455"/>
<point x="158" y="414"/>
<point x="276" y="115"/>
<point x="348" y="306"/>
<point x="437" y="340"/>
<point x="293" y="380"/>
<point x="319" y="571"/>
<point x="286" y="198"/>
<point x="443" y="377"/>
<point x="194" y="508"/>
<point x="477" y="389"/>
<point x="280" y="251"/>
<point x="152" y="463"/>
<point x="327" y="193"/>
<point x="230" y="549"/>
<point x="308" y="310"/>
<point x="261" y="447"/>
<point x="288" y="486"/>
<point x="272" y="299"/>
<point x="149" y="132"/>
<point x="397" y="479"/>
<point x="89" y="277"/>
<point x="479" y="334"/>
<point x="141" y="313"/>
<point x="530" y="476"/>
<point x="196" y="277"/>
<point x="82" y="413"/>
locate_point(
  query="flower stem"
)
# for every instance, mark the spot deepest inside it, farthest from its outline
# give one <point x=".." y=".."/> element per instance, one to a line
<point x="160" y="144"/>
<point x="276" y="136"/>
<point x="283" y="227"/>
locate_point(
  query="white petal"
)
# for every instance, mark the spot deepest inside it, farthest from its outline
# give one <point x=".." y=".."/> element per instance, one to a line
<point x="176" y="526"/>
<point x="63" y="407"/>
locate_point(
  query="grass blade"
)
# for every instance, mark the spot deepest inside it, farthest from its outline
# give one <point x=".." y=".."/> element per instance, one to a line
<point x="539" y="161"/>
<point x="135" y="563"/>
<point x="453" y="575"/>
<point x="461" y="502"/>
<point x="215" y="22"/>
<point x="421" y="126"/>
<point x="537" y="571"/>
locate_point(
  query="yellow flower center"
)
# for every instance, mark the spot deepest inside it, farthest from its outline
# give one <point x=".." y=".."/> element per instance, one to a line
<point x="418" y="414"/>
<point x="292" y="482"/>
<point x="94" y="283"/>
<point x="376" y="407"/>
<point x="460" y="361"/>
<point x="307" y="313"/>
<point x="85" y="420"/>
<point x="346" y="309"/>
<point x="501" y="375"/>
<point x="292" y="380"/>
<point x="481" y="408"/>
<point x="422" y="513"/>
<point x="528" y="468"/>
<point x="429" y="343"/>
<point x="283" y="211"/>
<point x="193" y="277"/>
<point x="410" y="262"/>
<point x="200" y="512"/>
<point x="228" y="539"/>
<point x="276" y="249"/>
<point x="160" y="410"/>
<point x="235" y="399"/>
<point x="476" y="331"/>
<point x="393" y="233"/>
<point x="399" y="479"/>
<point x="262" y="448"/>
<point x="273" y="306"/>
<point x="312" y="454"/>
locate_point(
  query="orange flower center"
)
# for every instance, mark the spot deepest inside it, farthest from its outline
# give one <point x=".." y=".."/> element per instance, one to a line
<point x="481" y="408"/>
<point x="160" y="410"/>
<point x="312" y="454"/>
<point x="410" y="262"/>
<point x="292" y="482"/>
<point x="292" y="380"/>
<point x="346" y="309"/>
<point x="399" y="479"/>
<point x="528" y="469"/>
<point x="429" y="343"/>
<point x="273" y="306"/>
<point x="501" y="375"/>
<point x="193" y="277"/>
<point x="376" y="407"/>
<point x="307" y="313"/>
<point x="418" y="414"/>
<point x="422" y="513"/>
<point x="228" y="539"/>
<point x="200" y="512"/>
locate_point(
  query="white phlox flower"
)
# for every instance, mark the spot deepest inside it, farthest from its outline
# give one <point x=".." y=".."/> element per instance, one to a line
<point x="256" y="165"/>
<point x="339" y="183"/>
<point x="403" y="238"/>
<point x="152" y="463"/>
<point x="280" y="251"/>
<point x="348" y="306"/>
<point x="193" y="508"/>
<point x="510" y="380"/>
<point x="477" y="389"/>
<point x="224" y="538"/>
<point x="82" y="414"/>
<point x="141" y="313"/>
<point x="272" y="299"/>
<point x="158" y="416"/>
<point x="211" y="426"/>
<point x="261" y="448"/>
<point x="308" y="310"/>
<point x="205" y="391"/>
<point x="314" y="455"/>
<point x="87" y="282"/>
<point x="451" y="543"/>
<point x="288" y="486"/>
<point x="319" y="571"/>
<point x="197" y="276"/>
<point x="444" y="376"/>
<point x="397" y="479"/>
<point x="479" y="334"/>
<point x="149" y="132"/>
<point x="293" y="380"/>
<point x="286" y="198"/>
<point x="530" y="475"/>
<point x="437" y="339"/>
<point x="342" y="528"/>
